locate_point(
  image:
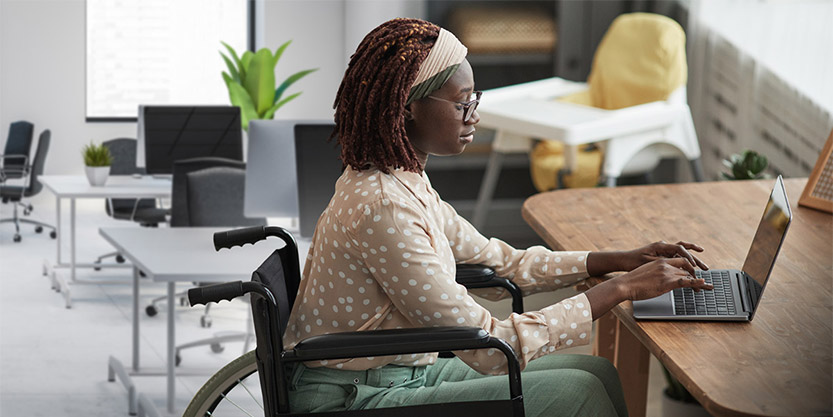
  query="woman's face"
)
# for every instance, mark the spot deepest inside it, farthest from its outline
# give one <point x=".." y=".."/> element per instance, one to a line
<point x="436" y="127"/>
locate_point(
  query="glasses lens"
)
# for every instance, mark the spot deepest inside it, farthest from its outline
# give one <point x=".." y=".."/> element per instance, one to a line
<point x="469" y="111"/>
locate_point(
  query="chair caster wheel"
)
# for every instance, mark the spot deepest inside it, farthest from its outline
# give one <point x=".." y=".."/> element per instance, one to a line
<point x="142" y="274"/>
<point x="217" y="348"/>
<point x="177" y="360"/>
<point x="16" y="238"/>
<point x="205" y="321"/>
<point x="38" y="229"/>
<point x="53" y="234"/>
<point x="150" y="311"/>
<point x="120" y="259"/>
<point x="97" y="268"/>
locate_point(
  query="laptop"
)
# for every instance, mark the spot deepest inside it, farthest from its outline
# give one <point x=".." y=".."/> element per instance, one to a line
<point x="736" y="293"/>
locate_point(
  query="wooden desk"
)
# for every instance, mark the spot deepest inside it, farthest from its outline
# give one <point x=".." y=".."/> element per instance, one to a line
<point x="780" y="363"/>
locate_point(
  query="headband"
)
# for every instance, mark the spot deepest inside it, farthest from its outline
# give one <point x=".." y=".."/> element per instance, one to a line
<point x="442" y="62"/>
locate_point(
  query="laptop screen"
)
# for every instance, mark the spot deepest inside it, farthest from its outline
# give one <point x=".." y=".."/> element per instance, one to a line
<point x="767" y="241"/>
<point x="319" y="167"/>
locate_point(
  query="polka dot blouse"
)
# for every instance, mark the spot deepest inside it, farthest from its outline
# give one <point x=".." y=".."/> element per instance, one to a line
<point x="383" y="256"/>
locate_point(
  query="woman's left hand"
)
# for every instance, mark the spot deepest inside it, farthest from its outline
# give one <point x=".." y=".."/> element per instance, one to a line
<point x="635" y="258"/>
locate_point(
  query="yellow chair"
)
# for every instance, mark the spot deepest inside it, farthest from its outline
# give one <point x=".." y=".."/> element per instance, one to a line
<point x="640" y="59"/>
<point x="633" y="108"/>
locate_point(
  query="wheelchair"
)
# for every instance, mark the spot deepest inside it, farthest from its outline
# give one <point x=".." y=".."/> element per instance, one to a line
<point x="258" y="379"/>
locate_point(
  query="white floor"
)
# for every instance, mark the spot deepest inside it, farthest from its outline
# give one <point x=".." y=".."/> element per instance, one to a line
<point x="53" y="360"/>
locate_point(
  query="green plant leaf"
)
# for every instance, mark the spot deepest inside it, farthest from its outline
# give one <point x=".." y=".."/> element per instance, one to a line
<point x="231" y="68"/>
<point x="241" y="70"/>
<point x="279" y="52"/>
<point x="245" y="61"/>
<point x="96" y="155"/>
<point x="240" y="98"/>
<point x="289" y="81"/>
<point x="260" y="80"/>
<point x="271" y="112"/>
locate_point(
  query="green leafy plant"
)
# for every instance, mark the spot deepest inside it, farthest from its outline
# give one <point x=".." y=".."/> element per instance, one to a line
<point x="251" y="82"/>
<point x="747" y="165"/>
<point x="97" y="155"/>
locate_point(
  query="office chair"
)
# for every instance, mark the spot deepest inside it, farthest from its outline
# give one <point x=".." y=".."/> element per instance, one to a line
<point x="274" y="287"/>
<point x="215" y="199"/>
<point x="31" y="187"/>
<point x="144" y="211"/>
<point x="180" y="217"/>
<point x="15" y="158"/>
<point x="633" y="107"/>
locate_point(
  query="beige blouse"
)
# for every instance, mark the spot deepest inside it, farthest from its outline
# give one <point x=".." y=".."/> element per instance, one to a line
<point x="383" y="256"/>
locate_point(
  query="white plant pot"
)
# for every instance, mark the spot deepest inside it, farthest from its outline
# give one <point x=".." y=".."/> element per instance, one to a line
<point x="97" y="175"/>
<point x="674" y="408"/>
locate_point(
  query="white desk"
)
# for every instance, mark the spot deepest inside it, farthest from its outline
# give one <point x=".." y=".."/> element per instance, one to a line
<point x="73" y="187"/>
<point x="176" y="255"/>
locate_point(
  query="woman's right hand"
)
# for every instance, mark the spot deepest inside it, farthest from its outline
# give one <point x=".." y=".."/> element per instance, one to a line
<point x="647" y="281"/>
<point x="658" y="277"/>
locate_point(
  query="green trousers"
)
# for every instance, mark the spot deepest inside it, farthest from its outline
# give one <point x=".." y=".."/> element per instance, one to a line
<point x="553" y="385"/>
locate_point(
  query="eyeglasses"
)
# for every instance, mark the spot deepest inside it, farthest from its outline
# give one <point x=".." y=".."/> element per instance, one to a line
<point x="468" y="107"/>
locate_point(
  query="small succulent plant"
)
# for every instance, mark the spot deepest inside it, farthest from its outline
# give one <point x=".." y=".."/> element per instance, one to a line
<point x="97" y="155"/>
<point x="748" y="165"/>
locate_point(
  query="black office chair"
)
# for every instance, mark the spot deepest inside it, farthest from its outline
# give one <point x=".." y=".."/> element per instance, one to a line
<point x="144" y="211"/>
<point x="31" y="187"/>
<point x="274" y="287"/>
<point x="180" y="216"/>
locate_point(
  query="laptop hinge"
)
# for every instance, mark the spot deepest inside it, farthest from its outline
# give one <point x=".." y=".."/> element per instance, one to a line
<point x="745" y="296"/>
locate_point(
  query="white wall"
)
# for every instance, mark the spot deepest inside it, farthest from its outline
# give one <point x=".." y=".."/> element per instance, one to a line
<point x="42" y="66"/>
<point x="42" y="62"/>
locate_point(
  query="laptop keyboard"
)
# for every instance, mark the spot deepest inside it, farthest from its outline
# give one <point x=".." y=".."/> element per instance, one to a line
<point x="719" y="301"/>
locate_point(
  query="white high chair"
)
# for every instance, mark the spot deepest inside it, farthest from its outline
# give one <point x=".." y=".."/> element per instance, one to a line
<point x="633" y="137"/>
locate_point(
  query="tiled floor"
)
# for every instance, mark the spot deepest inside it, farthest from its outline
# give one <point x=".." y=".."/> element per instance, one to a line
<point x="53" y="360"/>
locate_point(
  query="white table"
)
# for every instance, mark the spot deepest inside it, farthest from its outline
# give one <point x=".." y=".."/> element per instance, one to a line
<point x="73" y="187"/>
<point x="174" y="255"/>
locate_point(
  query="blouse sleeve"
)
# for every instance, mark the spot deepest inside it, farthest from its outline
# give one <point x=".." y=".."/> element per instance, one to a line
<point x="536" y="269"/>
<point x="401" y="250"/>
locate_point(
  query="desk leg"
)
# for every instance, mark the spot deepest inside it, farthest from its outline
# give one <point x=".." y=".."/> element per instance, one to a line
<point x="72" y="238"/>
<point x="135" y="318"/>
<point x="604" y="341"/>
<point x="171" y="346"/>
<point x="58" y="229"/>
<point x="631" y="359"/>
<point x="487" y="189"/>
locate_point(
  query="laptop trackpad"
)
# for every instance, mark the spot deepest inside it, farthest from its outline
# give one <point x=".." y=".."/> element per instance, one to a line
<point x="654" y="307"/>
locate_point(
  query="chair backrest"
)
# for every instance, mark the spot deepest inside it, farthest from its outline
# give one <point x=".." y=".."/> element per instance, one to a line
<point x="281" y="273"/>
<point x="38" y="163"/>
<point x="123" y="151"/>
<point x="640" y="59"/>
<point x="215" y="198"/>
<point x="19" y="142"/>
<point x="179" y="191"/>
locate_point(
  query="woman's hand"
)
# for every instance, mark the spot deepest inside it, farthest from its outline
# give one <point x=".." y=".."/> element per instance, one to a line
<point x="600" y="263"/>
<point x="635" y="258"/>
<point x="646" y="281"/>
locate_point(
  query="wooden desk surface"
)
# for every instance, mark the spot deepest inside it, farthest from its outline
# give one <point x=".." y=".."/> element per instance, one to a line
<point x="780" y="363"/>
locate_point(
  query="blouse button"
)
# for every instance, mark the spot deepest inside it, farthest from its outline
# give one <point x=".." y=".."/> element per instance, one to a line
<point x="355" y="380"/>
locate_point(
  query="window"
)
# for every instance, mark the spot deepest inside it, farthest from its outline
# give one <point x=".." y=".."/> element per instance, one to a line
<point x="159" y="52"/>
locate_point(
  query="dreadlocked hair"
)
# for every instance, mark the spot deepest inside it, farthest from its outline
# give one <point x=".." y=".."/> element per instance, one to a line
<point x="370" y="103"/>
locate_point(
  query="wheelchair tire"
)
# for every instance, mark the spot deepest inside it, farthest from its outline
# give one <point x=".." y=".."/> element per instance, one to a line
<point x="235" y="388"/>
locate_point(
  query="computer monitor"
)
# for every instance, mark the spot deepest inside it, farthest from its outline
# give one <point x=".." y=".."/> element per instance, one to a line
<point x="291" y="170"/>
<point x="171" y="133"/>
<point x="319" y="166"/>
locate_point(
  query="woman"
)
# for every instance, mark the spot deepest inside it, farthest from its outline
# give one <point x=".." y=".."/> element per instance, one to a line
<point x="384" y="253"/>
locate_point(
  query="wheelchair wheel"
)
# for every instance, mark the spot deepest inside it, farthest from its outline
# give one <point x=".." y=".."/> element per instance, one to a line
<point x="232" y="391"/>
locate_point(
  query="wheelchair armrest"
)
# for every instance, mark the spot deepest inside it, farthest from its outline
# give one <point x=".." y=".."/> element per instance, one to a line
<point x="404" y="341"/>
<point x="390" y="342"/>
<point x="474" y="274"/>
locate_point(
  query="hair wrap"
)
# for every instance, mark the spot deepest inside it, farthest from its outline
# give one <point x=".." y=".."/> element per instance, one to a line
<point x="442" y="62"/>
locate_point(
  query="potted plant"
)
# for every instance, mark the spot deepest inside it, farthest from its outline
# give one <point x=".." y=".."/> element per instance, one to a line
<point x="748" y="165"/>
<point x="97" y="160"/>
<point x="251" y="83"/>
